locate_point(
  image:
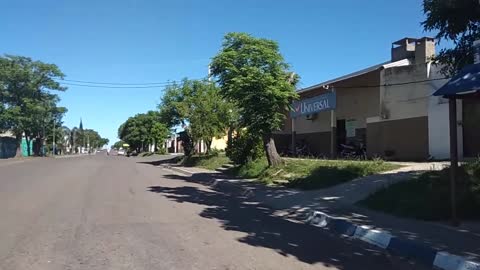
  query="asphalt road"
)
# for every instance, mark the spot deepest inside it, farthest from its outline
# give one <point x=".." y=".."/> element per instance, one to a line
<point x="107" y="212"/>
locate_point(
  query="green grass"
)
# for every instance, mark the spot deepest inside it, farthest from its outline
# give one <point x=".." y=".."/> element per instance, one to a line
<point x="294" y="173"/>
<point x="311" y="174"/>
<point x="253" y="169"/>
<point x="210" y="162"/>
<point x="427" y="196"/>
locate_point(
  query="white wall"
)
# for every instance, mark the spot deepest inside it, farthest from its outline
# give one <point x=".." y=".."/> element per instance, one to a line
<point x="438" y="120"/>
<point x="400" y="100"/>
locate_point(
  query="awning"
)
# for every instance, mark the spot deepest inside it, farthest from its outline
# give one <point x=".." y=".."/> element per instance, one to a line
<point x="465" y="82"/>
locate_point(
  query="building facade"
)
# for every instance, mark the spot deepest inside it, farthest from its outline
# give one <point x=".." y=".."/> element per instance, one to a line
<point x="387" y="108"/>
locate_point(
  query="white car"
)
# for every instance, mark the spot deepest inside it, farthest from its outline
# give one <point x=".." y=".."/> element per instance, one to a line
<point x="121" y="152"/>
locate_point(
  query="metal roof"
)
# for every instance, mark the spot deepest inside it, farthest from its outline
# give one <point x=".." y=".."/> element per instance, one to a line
<point x="465" y="82"/>
<point x="389" y="64"/>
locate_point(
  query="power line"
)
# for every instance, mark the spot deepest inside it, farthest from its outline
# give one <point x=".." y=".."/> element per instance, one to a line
<point x="117" y="87"/>
<point x="92" y="84"/>
<point x="113" y="83"/>
<point x="390" y="84"/>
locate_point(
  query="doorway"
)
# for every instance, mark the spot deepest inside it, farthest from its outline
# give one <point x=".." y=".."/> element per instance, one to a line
<point x="471" y="129"/>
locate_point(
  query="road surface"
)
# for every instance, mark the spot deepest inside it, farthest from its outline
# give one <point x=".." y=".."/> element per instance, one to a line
<point x="109" y="212"/>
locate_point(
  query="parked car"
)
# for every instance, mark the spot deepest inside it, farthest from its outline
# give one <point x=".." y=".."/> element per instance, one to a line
<point x="121" y="152"/>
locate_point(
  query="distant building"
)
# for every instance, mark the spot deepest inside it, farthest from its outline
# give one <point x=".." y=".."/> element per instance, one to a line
<point x="8" y="145"/>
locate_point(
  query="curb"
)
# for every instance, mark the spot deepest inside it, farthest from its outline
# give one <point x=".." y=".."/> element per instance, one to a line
<point x="175" y="169"/>
<point x="401" y="247"/>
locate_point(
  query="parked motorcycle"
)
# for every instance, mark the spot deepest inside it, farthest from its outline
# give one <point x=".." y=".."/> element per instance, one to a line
<point x="353" y="151"/>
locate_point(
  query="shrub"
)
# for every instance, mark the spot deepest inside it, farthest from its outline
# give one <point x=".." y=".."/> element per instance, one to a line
<point x="214" y="152"/>
<point x="161" y="151"/>
<point x="244" y="148"/>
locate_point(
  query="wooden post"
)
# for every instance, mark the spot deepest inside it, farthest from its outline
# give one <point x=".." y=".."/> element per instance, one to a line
<point x="453" y="158"/>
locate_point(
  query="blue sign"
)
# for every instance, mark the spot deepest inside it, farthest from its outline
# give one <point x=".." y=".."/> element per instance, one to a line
<point x="325" y="102"/>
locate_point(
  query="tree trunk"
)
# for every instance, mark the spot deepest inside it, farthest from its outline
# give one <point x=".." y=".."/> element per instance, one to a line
<point x="230" y="135"/>
<point x="273" y="157"/>
<point x="19" y="146"/>
<point x="208" y="144"/>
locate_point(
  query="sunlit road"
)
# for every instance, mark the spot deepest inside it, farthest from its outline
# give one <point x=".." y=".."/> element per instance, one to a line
<point x="106" y="212"/>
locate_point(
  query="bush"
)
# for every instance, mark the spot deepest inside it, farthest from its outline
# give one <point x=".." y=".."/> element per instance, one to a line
<point x="161" y="151"/>
<point x="214" y="152"/>
<point x="244" y="148"/>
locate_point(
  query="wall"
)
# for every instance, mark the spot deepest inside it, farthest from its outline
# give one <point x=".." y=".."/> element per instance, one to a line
<point x="438" y="119"/>
<point x="357" y="98"/>
<point x="8" y="147"/>
<point x="406" y="100"/>
<point x="404" y="130"/>
<point x="471" y="129"/>
<point x="404" y="139"/>
<point x="219" y="144"/>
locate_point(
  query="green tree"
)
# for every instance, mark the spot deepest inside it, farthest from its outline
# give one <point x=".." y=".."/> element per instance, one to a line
<point x="159" y="133"/>
<point x="117" y="145"/>
<point x="27" y="103"/>
<point x="254" y="76"/>
<point x="457" y="21"/>
<point x="199" y="104"/>
<point x="143" y="129"/>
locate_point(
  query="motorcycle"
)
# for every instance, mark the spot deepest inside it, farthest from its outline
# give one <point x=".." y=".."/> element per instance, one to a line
<point x="353" y="151"/>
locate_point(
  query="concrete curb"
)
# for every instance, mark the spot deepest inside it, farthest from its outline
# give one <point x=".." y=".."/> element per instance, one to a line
<point x="175" y="169"/>
<point x="402" y="247"/>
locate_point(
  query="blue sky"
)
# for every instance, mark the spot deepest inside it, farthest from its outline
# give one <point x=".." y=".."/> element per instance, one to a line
<point x="130" y="41"/>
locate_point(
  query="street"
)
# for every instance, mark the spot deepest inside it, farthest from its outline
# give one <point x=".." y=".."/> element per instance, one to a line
<point x="110" y="212"/>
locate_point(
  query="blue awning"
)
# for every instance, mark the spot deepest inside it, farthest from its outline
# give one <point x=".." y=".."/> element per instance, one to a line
<point x="465" y="82"/>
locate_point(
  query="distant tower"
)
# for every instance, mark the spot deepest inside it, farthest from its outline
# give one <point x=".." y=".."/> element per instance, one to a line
<point x="81" y="132"/>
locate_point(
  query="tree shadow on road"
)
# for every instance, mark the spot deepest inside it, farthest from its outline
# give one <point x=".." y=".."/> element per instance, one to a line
<point x="264" y="229"/>
<point x="169" y="160"/>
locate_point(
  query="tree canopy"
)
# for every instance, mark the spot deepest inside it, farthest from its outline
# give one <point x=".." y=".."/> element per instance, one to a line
<point x="143" y="129"/>
<point x="457" y="21"/>
<point x="28" y="104"/>
<point x="253" y="75"/>
<point x="198" y="106"/>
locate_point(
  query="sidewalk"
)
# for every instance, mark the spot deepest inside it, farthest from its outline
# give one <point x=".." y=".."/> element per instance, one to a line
<point x="339" y="202"/>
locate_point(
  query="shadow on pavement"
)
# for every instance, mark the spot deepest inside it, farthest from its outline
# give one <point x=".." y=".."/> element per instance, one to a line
<point x="168" y="160"/>
<point x="295" y="204"/>
<point x="264" y="229"/>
